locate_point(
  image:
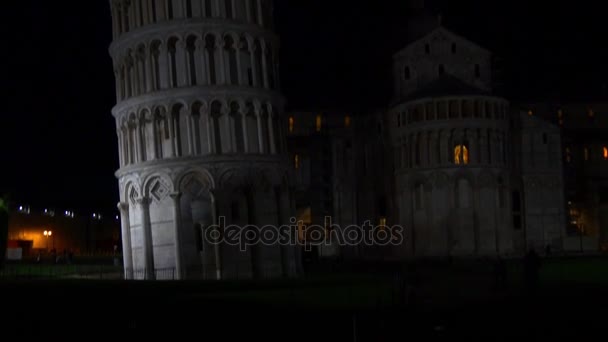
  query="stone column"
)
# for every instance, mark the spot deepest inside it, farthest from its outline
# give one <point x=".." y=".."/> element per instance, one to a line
<point x="127" y="254"/>
<point x="148" y="246"/>
<point x="177" y="222"/>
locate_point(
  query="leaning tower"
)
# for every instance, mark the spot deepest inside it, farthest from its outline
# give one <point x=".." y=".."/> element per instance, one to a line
<point x="200" y="128"/>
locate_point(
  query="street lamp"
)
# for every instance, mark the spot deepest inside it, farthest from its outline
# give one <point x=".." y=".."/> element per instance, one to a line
<point x="47" y="234"/>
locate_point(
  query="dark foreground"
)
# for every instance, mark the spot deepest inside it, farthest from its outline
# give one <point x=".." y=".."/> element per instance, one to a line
<point x="445" y="305"/>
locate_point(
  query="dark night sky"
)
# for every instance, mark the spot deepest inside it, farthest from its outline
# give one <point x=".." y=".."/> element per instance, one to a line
<point x="58" y="135"/>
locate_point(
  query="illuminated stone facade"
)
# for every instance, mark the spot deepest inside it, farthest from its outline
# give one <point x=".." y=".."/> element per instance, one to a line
<point x="199" y="124"/>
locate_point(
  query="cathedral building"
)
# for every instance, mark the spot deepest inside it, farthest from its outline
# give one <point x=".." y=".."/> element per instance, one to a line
<point x="199" y="121"/>
<point x="465" y="171"/>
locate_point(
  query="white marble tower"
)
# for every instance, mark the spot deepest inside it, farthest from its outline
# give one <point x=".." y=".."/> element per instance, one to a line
<point x="200" y="124"/>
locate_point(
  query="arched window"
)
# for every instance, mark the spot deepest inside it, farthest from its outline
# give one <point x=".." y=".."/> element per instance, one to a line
<point x="188" y="8"/>
<point x="461" y="154"/>
<point x="406" y="73"/>
<point x="477" y="71"/>
<point x="231" y="60"/>
<point x="191" y="49"/>
<point x="210" y="51"/>
<point x="453" y="47"/>
<point x="172" y="61"/>
<point x="568" y="155"/>
<point x="296" y="161"/>
<point x="292" y="122"/>
<point x="427" y="49"/>
<point x="155" y="56"/>
<point x="229" y="12"/>
<point x="441" y="70"/>
<point x="169" y="9"/>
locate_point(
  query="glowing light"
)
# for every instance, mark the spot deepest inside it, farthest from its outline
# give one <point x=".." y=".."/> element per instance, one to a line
<point x="605" y="153"/>
<point x="461" y="155"/>
<point x="382" y="222"/>
<point x="297" y="161"/>
<point x="291" y="124"/>
<point x="586" y="153"/>
<point x="319" y="123"/>
<point x="591" y="113"/>
<point x="530" y="113"/>
<point x="347" y="121"/>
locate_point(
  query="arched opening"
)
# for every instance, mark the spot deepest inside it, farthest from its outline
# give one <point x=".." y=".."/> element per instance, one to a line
<point x="196" y="128"/>
<point x="188" y="8"/>
<point x="453" y="48"/>
<point x="237" y="118"/>
<point x="160" y="134"/>
<point x="191" y="51"/>
<point x="132" y="144"/>
<point x="231" y="63"/>
<point x="229" y="9"/>
<point x="155" y="59"/>
<point x="153" y="10"/>
<point x="258" y="63"/>
<point x="461" y="154"/>
<point x="178" y="121"/>
<point x="210" y="48"/>
<point x="141" y="69"/>
<point x="252" y="130"/>
<point x="253" y="7"/>
<point x="169" y="9"/>
<point x="477" y="71"/>
<point x="216" y="115"/>
<point x="441" y="70"/>
<point x="207" y="8"/>
<point x="172" y="51"/>
<point x="427" y="49"/>
<point x="245" y="58"/>
<point x="291" y="124"/>
<point x="265" y="129"/>
<point x="454" y="110"/>
<point x="270" y="66"/>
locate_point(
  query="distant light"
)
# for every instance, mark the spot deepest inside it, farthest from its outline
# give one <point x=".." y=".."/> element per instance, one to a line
<point x="94" y="215"/>
<point x="21" y="208"/>
<point x="530" y="113"/>
<point x="46" y="211"/>
<point x="116" y="217"/>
